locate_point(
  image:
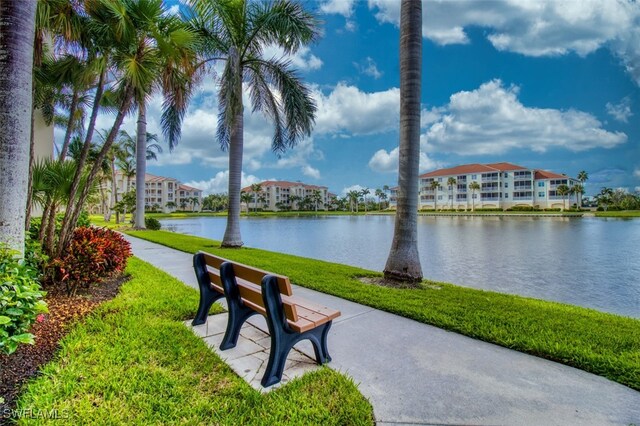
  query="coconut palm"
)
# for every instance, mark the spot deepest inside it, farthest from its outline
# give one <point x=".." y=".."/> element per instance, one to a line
<point x="563" y="191"/>
<point x="583" y="176"/>
<point x="578" y="191"/>
<point x="17" y="29"/>
<point x="236" y="32"/>
<point x="473" y="187"/>
<point x="316" y="197"/>
<point x="435" y="185"/>
<point x="364" y="192"/>
<point x="246" y="198"/>
<point x="404" y="262"/>
<point x="451" y="182"/>
<point x="353" y="197"/>
<point x="256" y="188"/>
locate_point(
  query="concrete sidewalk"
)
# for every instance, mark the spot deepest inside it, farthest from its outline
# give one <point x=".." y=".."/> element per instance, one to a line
<point x="418" y="374"/>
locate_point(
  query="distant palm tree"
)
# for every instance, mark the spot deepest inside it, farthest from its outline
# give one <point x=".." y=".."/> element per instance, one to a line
<point x="435" y="185"/>
<point x="403" y="263"/>
<point x="451" y="182"/>
<point x="353" y="197"/>
<point x="583" y="176"/>
<point x="236" y="33"/>
<point x="578" y="191"/>
<point x="246" y="198"/>
<point x="171" y="205"/>
<point x="183" y="203"/>
<point x="256" y="188"/>
<point x="364" y="192"/>
<point x="473" y="186"/>
<point x="563" y="191"/>
<point x="316" y="197"/>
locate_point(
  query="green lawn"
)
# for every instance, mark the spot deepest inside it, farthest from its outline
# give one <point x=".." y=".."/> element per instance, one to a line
<point x="604" y="344"/>
<point x="134" y="362"/>
<point x="623" y="213"/>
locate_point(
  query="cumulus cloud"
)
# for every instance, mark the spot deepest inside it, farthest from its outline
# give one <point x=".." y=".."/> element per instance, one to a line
<point x="348" y="110"/>
<point x="339" y="7"/>
<point x="491" y="120"/>
<point x="348" y="189"/>
<point x="368" y="67"/>
<point x="387" y="162"/>
<point x="620" y="111"/>
<point x="220" y="182"/>
<point x="636" y="172"/>
<point x="535" y="28"/>
<point x="311" y="172"/>
<point x="303" y="59"/>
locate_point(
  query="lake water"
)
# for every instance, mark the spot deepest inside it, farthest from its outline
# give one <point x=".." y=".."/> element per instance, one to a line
<point x="591" y="262"/>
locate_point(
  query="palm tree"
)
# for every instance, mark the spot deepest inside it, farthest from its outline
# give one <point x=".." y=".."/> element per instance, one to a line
<point x="172" y="72"/>
<point x="194" y="202"/>
<point x="583" y="176"/>
<point x="171" y="205"/>
<point x="236" y="32"/>
<point x="379" y="193"/>
<point x="563" y="191"/>
<point x="256" y="188"/>
<point x="316" y="197"/>
<point x="404" y="262"/>
<point x="364" y="192"/>
<point x="578" y="190"/>
<point x="353" y="197"/>
<point x="473" y="186"/>
<point x="451" y="182"/>
<point x="17" y="29"/>
<point x="605" y="197"/>
<point x="246" y="198"/>
<point x="435" y="185"/>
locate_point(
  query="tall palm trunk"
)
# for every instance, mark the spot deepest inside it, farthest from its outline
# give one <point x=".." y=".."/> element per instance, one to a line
<point x="141" y="164"/>
<point x="68" y="223"/>
<point x="232" y="237"/>
<point x="67" y="135"/>
<point x="114" y="189"/>
<point x="32" y="160"/>
<point x="17" y="31"/>
<point x="403" y="262"/>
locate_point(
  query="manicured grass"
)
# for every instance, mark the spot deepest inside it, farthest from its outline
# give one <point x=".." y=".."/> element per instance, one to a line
<point x="134" y="362"/>
<point x="623" y="213"/>
<point x="604" y="344"/>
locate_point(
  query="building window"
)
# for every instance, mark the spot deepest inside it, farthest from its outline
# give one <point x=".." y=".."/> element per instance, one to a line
<point x="541" y="194"/>
<point x="506" y="184"/>
<point x="475" y="196"/>
<point x="474" y="177"/>
<point x="541" y="184"/>
<point x="439" y="197"/>
<point x="506" y="174"/>
<point x="506" y="195"/>
<point x="439" y="179"/>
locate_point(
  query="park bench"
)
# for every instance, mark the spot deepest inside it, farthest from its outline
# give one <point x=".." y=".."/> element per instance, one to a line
<point x="250" y="291"/>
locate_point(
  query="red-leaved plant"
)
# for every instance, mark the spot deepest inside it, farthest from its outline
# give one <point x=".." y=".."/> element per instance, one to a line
<point x="93" y="255"/>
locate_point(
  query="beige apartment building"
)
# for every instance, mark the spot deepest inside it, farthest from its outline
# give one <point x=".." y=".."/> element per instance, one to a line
<point x="283" y="195"/>
<point x="162" y="193"/>
<point x="502" y="185"/>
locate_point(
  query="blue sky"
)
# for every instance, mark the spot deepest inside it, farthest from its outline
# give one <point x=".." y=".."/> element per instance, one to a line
<point x="543" y="84"/>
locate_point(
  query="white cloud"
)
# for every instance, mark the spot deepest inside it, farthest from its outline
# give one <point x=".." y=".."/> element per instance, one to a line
<point x="636" y="172"/>
<point x="368" y="67"/>
<point x="351" y="188"/>
<point x="533" y="28"/>
<point x="347" y="110"/>
<point x="491" y="120"/>
<point x="387" y="162"/>
<point x="220" y="183"/>
<point x="303" y="59"/>
<point x="620" y="111"/>
<point x="311" y="172"/>
<point x="338" y="7"/>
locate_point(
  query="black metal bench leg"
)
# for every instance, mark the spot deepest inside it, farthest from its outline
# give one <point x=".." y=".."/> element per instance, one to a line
<point x="318" y="338"/>
<point x="237" y="316"/>
<point x="281" y="345"/>
<point x="207" y="294"/>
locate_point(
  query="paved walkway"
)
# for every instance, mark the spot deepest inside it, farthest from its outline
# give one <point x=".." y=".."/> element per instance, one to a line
<point x="418" y="374"/>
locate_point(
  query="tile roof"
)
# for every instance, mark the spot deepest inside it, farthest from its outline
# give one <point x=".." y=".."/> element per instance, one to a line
<point x="543" y="174"/>
<point x="187" y="188"/>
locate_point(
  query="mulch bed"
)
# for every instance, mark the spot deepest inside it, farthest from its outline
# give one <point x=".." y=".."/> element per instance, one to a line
<point x="64" y="310"/>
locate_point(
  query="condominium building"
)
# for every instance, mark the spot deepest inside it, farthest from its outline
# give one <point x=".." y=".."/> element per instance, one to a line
<point x="283" y="195"/>
<point x="500" y="185"/>
<point x="162" y="193"/>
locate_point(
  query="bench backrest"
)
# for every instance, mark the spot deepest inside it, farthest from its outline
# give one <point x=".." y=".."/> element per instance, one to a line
<point x="249" y="280"/>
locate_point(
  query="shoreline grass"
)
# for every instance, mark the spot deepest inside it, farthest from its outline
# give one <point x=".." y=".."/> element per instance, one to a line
<point x="622" y="213"/>
<point x="601" y="343"/>
<point x="134" y="362"/>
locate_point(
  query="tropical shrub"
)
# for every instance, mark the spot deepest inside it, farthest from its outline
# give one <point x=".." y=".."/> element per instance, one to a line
<point x="36" y="222"/>
<point x="93" y="255"/>
<point x="20" y="300"/>
<point x="152" y="223"/>
<point x="522" y="209"/>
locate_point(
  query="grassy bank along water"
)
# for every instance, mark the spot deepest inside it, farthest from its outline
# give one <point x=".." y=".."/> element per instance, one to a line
<point x="601" y="343"/>
<point x="134" y="362"/>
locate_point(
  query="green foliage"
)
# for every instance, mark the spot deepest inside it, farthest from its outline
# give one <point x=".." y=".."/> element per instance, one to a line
<point x="93" y="255"/>
<point x="20" y="299"/>
<point x="134" y="362"/>
<point x="601" y="343"/>
<point x="523" y="208"/>
<point x="36" y="222"/>
<point x="152" y="223"/>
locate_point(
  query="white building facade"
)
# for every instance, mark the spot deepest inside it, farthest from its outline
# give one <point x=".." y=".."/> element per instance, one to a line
<point x="162" y="193"/>
<point x="500" y="186"/>
<point x="283" y="195"/>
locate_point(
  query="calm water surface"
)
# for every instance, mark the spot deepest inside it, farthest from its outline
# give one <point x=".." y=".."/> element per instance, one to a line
<point x="591" y="262"/>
